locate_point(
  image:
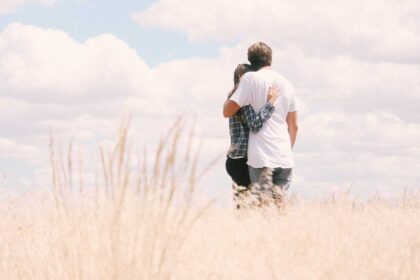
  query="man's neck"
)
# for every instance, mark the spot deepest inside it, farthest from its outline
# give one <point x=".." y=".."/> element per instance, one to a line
<point x="266" y="67"/>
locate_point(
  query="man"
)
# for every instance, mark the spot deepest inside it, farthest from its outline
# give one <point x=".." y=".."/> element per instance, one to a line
<point x="271" y="147"/>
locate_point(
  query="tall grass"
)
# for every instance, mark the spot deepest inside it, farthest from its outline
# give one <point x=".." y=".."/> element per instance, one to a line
<point x="151" y="224"/>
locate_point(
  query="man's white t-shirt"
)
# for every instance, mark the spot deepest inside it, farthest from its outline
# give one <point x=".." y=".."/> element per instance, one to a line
<point x="271" y="146"/>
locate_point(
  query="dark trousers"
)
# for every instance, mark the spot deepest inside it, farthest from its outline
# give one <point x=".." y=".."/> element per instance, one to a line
<point x="238" y="170"/>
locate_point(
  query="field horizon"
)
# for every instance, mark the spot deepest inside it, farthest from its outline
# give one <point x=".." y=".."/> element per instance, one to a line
<point x="147" y="226"/>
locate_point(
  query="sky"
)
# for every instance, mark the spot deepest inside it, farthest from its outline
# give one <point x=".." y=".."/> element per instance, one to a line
<point x="79" y="67"/>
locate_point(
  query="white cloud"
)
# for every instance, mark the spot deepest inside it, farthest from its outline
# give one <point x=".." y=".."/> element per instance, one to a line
<point x="12" y="150"/>
<point x="355" y="66"/>
<point x="349" y="130"/>
<point x="10" y="6"/>
<point x="49" y="65"/>
<point x="7" y="6"/>
<point x="370" y="29"/>
<point x="81" y="90"/>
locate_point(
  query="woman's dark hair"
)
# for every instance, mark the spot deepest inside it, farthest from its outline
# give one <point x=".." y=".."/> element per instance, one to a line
<point x="240" y="70"/>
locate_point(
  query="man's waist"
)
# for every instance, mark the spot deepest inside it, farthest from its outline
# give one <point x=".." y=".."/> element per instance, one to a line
<point x="271" y="134"/>
<point x="260" y="163"/>
<point x="277" y="143"/>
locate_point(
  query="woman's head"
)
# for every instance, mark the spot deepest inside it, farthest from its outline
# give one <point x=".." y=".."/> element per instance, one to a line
<point x="240" y="70"/>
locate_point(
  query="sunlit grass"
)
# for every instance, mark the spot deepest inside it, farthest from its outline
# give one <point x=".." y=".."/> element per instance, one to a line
<point x="150" y="224"/>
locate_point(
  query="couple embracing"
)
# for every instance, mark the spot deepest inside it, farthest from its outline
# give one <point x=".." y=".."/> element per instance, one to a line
<point x="262" y="114"/>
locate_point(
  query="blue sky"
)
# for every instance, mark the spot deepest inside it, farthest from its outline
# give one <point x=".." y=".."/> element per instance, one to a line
<point x="85" y="19"/>
<point x="355" y="66"/>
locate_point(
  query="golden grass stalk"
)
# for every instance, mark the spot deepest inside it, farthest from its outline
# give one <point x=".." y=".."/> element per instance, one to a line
<point x="150" y="224"/>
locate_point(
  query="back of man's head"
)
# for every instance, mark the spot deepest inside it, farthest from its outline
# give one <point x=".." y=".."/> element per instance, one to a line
<point x="259" y="55"/>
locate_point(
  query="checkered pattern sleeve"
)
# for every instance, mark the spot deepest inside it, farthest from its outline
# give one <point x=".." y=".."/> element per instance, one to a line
<point x="239" y="133"/>
<point x="256" y="121"/>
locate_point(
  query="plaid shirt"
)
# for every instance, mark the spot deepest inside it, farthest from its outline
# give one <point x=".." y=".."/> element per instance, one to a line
<point x="241" y="123"/>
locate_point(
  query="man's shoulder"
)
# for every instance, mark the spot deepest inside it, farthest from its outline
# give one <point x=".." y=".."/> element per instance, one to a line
<point x="248" y="76"/>
<point x="280" y="79"/>
<point x="271" y="75"/>
<point x="286" y="81"/>
<point x="267" y="75"/>
<point x="279" y="76"/>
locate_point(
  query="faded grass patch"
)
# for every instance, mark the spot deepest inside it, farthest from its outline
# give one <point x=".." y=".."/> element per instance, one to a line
<point x="151" y="224"/>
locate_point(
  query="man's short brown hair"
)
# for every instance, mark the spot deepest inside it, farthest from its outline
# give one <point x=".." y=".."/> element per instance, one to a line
<point x="259" y="55"/>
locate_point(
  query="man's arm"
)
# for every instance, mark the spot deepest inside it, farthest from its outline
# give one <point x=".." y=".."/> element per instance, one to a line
<point x="292" y="126"/>
<point x="230" y="108"/>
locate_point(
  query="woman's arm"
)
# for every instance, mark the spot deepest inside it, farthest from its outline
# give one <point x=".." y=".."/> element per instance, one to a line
<point x="256" y="121"/>
<point x="230" y="108"/>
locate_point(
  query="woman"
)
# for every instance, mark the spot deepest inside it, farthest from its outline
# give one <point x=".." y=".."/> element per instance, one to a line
<point x="240" y="124"/>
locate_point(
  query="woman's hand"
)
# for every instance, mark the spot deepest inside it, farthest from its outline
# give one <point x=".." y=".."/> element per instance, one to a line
<point x="273" y="94"/>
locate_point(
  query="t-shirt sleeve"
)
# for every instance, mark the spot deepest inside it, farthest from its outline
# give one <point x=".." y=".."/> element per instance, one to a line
<point x="293" y="105"/>
<point x="242" y="95"/>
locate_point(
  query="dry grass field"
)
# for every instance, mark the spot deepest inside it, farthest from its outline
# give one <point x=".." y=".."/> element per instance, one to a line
<point x="145" y="226"/>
